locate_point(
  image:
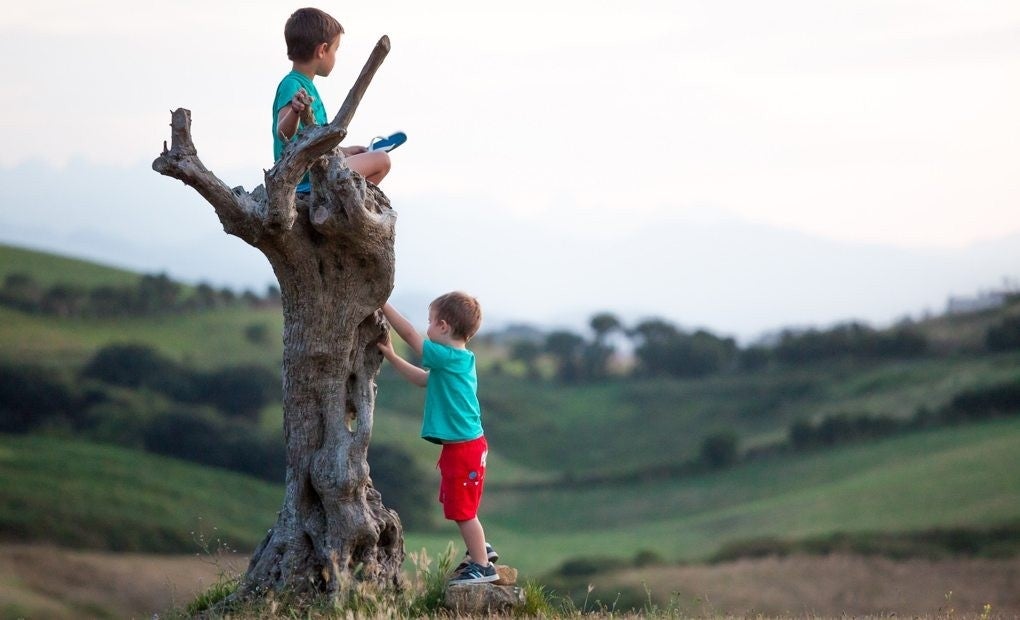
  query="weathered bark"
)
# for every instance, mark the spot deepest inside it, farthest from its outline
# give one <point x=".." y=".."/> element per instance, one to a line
<point x="332" y="253"/>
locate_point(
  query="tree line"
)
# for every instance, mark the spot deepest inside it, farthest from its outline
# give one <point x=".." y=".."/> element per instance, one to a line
<point x="133" y="396"/>
<point x="151" y="295"/>
<point x="663" y="349"/>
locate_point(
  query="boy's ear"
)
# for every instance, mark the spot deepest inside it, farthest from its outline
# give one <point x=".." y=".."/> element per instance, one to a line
<point x="320" y="50"/>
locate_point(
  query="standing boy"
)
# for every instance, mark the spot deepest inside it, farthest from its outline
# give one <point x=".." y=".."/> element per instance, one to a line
<point x="313" y="38"/>
<point x="452" y="416"/>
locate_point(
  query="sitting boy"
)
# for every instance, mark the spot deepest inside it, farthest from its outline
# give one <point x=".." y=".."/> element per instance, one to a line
<point x="313" y="38"/>
<point x="452" y="417"/>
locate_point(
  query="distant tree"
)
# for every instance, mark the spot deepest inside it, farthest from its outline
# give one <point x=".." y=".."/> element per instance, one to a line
<point x="527" y="352"/>
<point x="111" y="301"/>
<point x="719" y="450"/>
<point x="1005" y="336"/>
<point x="129" y="365"/>
<point x="663" y="349"/>
<point x="31" y="397"/>
<point x="984" y="402"/>
<point x="205" y="296"/>
<point x="598" y="353"/>
<point x="604" y="324"/>
<point x="21" y="291"/>
<point x="849" y="341"/>
<point x="241" y="391"/>
<point x="257" y="333"/>
<point x="801" y="435"/>
<point x="157" y="294"/>
<point x="403" y="484"/>
<point x="754" y="358"/>
<point x="566" y="347"/>
<point x="63" y="300"/>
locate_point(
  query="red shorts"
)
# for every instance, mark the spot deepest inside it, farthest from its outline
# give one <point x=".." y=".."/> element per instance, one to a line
<point x="462" y="467"/>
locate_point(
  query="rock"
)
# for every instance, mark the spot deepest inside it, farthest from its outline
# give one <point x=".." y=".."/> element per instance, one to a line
<point x="507" y="576"/>
<point x="482" y="599"/>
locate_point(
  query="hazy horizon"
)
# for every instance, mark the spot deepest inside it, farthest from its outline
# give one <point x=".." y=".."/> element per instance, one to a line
<point x="731" y="165"/>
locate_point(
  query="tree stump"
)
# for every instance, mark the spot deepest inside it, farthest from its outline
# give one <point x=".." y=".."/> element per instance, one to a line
<point x="332" y="253"/>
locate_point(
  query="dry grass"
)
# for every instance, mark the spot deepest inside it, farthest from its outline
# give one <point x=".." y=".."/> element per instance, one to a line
<point x="50" y="582"/>
<point x="835" y="586"/>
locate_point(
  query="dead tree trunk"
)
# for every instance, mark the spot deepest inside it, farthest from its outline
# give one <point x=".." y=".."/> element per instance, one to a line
<point x="333" y="256"/>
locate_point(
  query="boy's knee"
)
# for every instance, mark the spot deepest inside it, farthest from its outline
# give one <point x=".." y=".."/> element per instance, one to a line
<point x="384" y="162"/>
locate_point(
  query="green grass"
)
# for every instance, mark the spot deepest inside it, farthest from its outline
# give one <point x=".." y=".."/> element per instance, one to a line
<point x="630" y="425"/>
<point x="74" y="493"/>
<point x="49" y="269"/>
<point x="204" y="340"/>
<point x="80" y="494"/>
<point x="949" y="477"/>
<point x="84" y="495"/>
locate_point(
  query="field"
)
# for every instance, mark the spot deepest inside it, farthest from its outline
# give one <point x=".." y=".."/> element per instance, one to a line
<point x="100" y="497"/>
<point x="46" y="582"/>
<point x="545" y="439"/>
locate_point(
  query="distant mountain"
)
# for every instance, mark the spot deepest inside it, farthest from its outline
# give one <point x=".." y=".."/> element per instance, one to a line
<point x="708" y="269"/>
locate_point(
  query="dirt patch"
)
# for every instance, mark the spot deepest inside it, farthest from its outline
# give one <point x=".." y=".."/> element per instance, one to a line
<point x="49" y="582"/>
<point x="834" y="586"/>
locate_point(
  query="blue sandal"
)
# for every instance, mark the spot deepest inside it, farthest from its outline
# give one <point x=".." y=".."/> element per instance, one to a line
<point x="387" y="143"/>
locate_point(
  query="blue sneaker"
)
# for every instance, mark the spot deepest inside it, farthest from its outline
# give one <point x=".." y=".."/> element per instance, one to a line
<point x="490" y="553"/>
<point x="387" y="143"/>
<point x="474" y="573"/>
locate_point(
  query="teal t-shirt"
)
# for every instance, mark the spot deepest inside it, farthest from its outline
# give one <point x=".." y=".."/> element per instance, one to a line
<point x="452" y="412"/>
<point x="289" y="85"/>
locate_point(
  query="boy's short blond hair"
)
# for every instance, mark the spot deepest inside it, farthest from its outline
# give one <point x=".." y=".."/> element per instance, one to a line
<point x="307" y="29"/>
<point x="461" y="311"/>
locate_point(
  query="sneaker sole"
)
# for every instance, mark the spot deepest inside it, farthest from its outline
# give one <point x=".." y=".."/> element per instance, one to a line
<point x="476" y="580"/>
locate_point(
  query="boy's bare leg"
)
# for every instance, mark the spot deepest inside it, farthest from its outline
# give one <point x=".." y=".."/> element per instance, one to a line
<point x="474" y="538"/>
<point x="373" y="165"/>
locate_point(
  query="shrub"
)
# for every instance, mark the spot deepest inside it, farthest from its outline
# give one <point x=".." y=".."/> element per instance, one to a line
<point x="403" y="485"/>
<point x="978" y="403"/>
<point x="129" y="365"/>
<point x="719" y="450"/>
<point x="30" y="397"/>
<point x="240" y="391"/>
<point x="1005" y="336"/>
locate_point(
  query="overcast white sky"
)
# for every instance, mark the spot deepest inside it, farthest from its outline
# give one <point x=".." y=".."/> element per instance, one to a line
<point x="882" y="124"/>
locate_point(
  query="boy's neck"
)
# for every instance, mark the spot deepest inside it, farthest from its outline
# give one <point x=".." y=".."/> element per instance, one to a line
<point x="451" y="342"/>
<point x="307" y="69"/>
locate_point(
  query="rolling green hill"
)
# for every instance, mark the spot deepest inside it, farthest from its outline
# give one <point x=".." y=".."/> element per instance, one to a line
<point x="547" y="433"/>
<point x="85" y="495"/>
<point x="48" y="269"/>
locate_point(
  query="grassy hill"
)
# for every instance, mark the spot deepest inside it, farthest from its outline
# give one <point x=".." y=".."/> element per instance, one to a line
<point x="85" y="495"/>
<point x="49" y="269"/>
<point x="543" y="432"/>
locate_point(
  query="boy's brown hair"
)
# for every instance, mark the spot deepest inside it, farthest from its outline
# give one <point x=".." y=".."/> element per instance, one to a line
<point x="461" y="311"/>
<point x="306" y="29"/>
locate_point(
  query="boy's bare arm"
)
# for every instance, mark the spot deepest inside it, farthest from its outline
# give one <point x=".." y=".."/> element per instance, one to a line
<point x="407" y="370"/>
<point x="290" y="114"/>
<point x="404" y="329"/>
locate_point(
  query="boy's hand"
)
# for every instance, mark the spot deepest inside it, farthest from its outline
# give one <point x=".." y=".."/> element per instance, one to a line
<point x="353" y="150"/>
<point x="386" y="346"/>
<point x="300" y="101"/>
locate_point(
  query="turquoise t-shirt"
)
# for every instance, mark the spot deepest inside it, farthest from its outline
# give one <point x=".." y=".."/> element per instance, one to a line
<point x="452" y="412"/>
<point x="289" y="85"/>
